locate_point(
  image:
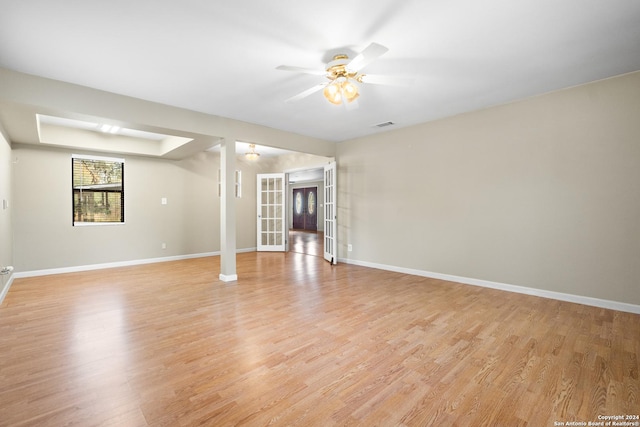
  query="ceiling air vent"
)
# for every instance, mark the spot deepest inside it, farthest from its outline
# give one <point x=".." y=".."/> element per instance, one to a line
<point x="385" y="124"/>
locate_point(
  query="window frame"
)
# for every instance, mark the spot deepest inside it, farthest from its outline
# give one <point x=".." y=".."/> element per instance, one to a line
<point x="74" y="188"/>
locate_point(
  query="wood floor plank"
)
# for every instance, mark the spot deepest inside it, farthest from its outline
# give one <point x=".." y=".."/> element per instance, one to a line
<point x="296" y="341"/>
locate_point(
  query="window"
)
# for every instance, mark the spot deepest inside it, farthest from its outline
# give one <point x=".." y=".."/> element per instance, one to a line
<point x="98" y="190"/>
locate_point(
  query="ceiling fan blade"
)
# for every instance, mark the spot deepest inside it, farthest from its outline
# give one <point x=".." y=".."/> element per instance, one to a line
<point x="385" y="80"/>
<point x="301" y="70"/>
<point x="307" y="92"/>
<point x="367" y="56"/>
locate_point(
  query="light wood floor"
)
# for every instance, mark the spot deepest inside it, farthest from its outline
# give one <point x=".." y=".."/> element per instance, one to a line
<point x="306" y="242"/>
<point x="297" y="341"/>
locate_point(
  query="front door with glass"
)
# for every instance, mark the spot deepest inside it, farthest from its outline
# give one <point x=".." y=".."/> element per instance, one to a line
<point x="305" y="213"/>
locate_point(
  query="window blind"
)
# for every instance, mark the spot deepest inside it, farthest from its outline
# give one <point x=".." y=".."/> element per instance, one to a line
<point x="98" y="189"/>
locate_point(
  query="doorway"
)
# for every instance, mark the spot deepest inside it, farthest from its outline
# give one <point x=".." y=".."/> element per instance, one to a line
<point x="304" y="236"/>
<point x="305" y="208"/>
<point x="295" y="194"/>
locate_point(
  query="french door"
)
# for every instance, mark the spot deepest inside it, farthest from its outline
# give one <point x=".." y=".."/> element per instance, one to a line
<point x="330" y="206"/>
<point x="271" y="214"/>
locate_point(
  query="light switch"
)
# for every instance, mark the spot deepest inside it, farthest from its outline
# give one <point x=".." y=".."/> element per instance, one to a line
<point x="163" y="200"/>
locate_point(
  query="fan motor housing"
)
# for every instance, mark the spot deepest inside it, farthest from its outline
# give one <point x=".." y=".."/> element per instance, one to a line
<point x="337" y="68"/>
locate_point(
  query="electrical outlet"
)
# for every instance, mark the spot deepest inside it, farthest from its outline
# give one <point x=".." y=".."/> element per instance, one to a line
<point x="163" y="201"/>
<point x="164" y="245"/>
<point x="349" y="247"/>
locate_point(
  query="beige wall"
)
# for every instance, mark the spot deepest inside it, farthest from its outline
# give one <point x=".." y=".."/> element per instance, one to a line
<point x="189" y="223"/>
<point x="541" y="193"/>
<point x="294" y="162"/>
<point x="6" y="232"/>
<point x="246" y="211"/>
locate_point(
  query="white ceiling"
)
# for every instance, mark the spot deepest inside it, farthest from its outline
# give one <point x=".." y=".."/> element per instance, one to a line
<point x="220" y="57"/>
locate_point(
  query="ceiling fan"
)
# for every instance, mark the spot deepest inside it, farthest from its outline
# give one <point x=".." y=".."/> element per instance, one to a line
<point x="344" y="76"/>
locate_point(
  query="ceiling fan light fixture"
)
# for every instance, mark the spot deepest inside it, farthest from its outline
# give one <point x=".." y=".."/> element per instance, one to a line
<point x="339" y="89"/>
<point x="252" y="155"/>
<point x="349" y="90"/>
<point x="344" y="76"/>
<point x="333" y="93"/>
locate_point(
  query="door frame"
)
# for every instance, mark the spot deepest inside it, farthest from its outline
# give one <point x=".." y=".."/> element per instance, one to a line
<point x="331" y="163"/>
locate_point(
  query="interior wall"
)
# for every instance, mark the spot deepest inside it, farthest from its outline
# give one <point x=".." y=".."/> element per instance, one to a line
<point x="44" y="235"/>
<point x="541" y="193"/>
<point x="246" y="206"/>
<point x="294" y="162"/>
<point x="6" y="230"/>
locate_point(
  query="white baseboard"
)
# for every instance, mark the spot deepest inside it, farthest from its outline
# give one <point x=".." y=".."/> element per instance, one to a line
<point x="228" y="277"/>
<point x="78" y="268"/>
<point x="5" y="288"/>
<point x="595" y="302"/>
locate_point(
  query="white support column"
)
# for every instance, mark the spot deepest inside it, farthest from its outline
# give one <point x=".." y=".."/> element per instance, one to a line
<point x="228" y="211"/>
